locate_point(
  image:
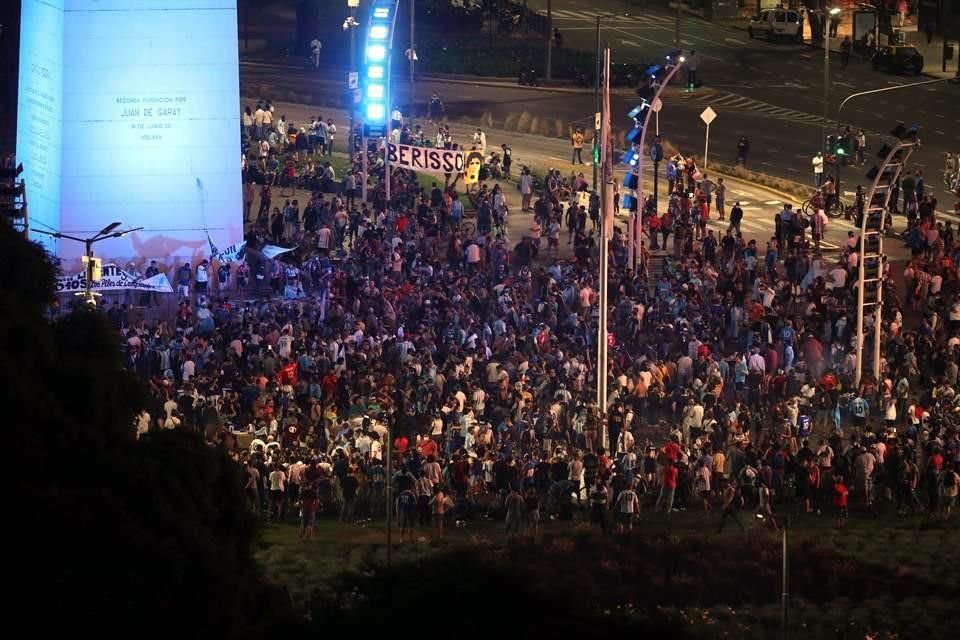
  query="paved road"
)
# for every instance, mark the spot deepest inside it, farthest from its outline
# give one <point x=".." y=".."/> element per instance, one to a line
<point x="782" y="143"/>
<point x="774" y="86"/>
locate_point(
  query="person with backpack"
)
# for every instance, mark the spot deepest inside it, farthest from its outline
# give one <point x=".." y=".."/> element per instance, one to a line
<point x="732" y="501"/>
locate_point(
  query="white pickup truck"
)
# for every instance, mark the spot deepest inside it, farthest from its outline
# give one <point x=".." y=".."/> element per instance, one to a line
<point x="776" y="24"/>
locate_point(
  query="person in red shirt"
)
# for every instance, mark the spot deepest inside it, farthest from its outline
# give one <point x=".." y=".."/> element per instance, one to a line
<point x="840" y="493"/>
<point x="288" y="373"/>
<point x="401" y="444"/>
<point x="428" y="447"/>
<point x="667" y="488"/>
<point x="672" y="451"/>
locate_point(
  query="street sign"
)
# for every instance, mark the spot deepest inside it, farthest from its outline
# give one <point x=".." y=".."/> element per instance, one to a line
<point x="596" y="121"/>
<point x="353" y="80"/>
<point x="657" y="105"/>
<point x="708" y="116"/>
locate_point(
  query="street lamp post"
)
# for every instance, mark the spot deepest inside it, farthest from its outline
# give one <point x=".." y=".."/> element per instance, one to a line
<point x="549" y="39"/>
<point x="351" y="24"/>
<point x="413" y="55"/>
<point x="104" y="234"/>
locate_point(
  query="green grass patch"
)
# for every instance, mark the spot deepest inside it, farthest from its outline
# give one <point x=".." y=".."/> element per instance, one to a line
<point x="873" y="574"/>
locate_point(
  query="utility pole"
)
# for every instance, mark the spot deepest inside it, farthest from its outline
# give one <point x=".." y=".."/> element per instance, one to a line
<point x="388" y="445"/>
<point x="549" y="38"/>
<point x="413" y="56"/>
<point x="596" y="103"/>
<point x="352" y="22"/>
<point x="785" y="582"/>
<point x="676" y="35"/>
<point x="606" y="224"/>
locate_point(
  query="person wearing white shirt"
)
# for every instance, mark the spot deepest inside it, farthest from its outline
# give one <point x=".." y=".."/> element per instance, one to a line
<point x="817" y="169"/>
<point x="480" y="141"/>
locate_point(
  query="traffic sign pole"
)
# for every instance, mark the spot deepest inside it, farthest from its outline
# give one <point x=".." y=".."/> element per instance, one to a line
<point x="708" y="116"/>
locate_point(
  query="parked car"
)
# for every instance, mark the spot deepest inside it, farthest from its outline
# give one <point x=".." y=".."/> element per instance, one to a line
<point x="777" y="24"/>
<point x="898" y="60"/>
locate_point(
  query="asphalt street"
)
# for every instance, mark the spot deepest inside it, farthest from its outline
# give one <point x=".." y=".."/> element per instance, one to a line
<point x="782" y="144"/>
<point x="772" y="92"/>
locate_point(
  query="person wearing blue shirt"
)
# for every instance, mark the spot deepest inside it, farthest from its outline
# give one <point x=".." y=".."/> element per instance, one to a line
<point x="859" y="409"/>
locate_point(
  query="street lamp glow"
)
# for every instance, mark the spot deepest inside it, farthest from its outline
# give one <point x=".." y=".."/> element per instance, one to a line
<point x="834" y="11"/>
<point x="682" y="59"/>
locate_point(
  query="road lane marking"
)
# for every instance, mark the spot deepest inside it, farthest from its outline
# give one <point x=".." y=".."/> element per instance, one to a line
<point x="735" y="40"/>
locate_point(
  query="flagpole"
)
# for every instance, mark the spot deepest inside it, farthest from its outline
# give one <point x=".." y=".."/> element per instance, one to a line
<point x="606" y="213"/>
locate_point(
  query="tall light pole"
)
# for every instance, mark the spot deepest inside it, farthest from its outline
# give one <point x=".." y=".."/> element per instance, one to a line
<point x="89" y="261"/>
<point x="596" y="103"/>
<point x="676" y="35"/>
<point x="353" y="82"/>
<point x="826" y="76"/>
<point x="413" y="54"/>
<point x="549" y="39"/>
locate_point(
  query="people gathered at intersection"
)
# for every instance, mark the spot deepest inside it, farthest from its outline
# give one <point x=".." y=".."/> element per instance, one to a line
<point x="457" y="325"/>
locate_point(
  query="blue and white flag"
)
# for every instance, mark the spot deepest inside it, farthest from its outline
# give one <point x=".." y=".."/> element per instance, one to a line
<point x="233" y="253"/>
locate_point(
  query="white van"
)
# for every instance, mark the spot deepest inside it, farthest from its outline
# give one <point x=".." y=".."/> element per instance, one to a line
<point x="777" y="24"/>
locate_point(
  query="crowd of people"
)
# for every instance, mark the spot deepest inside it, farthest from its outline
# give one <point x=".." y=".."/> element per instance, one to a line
<point x="473" y="356"/>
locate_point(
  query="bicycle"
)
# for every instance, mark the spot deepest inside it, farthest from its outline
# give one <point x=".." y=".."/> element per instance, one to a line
<point x="837" y="207"/>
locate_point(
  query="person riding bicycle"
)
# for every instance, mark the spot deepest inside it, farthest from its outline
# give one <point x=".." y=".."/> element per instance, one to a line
<point x="829" y="190"/>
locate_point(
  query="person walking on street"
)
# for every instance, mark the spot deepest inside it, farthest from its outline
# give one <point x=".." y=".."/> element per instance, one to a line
<point x="736" y="217"/>
<point x="743" y="147"/>
<point x="693" y="63"/>
<point x="845" y="47"/>
<point x="576" y="142"/>
<point x="861" y="143"/>
<point x="720" y="194"/>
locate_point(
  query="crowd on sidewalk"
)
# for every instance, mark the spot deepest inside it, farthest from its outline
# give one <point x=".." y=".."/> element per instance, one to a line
<point x="474" y="357"/>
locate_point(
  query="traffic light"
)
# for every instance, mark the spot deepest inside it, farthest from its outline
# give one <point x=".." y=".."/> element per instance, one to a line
<point x="656" y="151"/>
<point x="845" y="148"/>
<point x="596" y="154"/>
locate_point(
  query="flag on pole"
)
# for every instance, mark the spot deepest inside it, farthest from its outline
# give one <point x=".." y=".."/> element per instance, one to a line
<point x="232" y="253"/>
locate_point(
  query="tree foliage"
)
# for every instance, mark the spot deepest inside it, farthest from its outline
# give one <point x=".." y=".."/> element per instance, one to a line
<point x="117" y="535"/>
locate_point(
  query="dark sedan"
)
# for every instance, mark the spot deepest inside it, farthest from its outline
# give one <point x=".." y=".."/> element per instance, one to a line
<point x="898" y="60"/>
